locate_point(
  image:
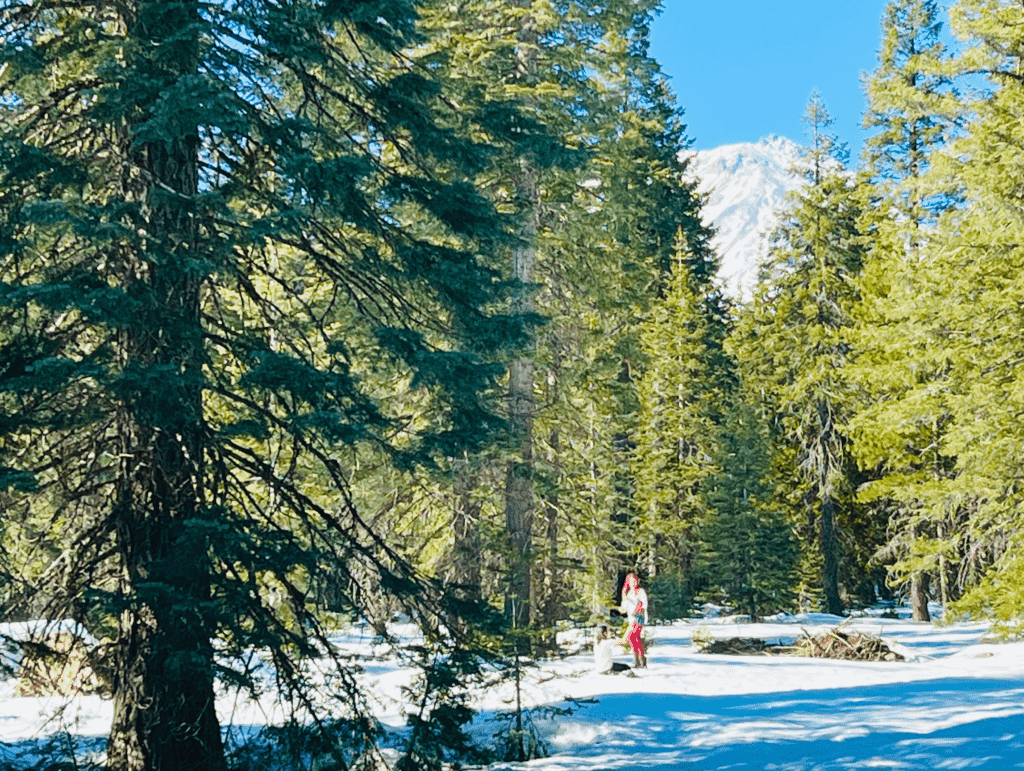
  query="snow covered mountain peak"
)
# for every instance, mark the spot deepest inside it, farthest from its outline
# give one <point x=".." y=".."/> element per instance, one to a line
<point x="745" y="185"/>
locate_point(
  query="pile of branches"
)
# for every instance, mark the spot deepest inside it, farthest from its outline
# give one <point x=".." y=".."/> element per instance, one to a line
<point x="840" y="644"/>
<point x="835" y="643"/>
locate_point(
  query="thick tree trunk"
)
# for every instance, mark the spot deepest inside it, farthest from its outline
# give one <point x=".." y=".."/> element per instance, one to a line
<point x="519" y="495"/>
<point x="164" y="716"/>
<point x="826" y="458"/>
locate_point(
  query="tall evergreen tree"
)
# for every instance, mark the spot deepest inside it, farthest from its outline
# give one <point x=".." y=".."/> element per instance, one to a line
<point x="909" y="98"/>
<point x="748" y="550"/>
<point x="793" y="344"/>
<point x="520" y="497"/>
<point x="911" y="110"/>
<point x="966" y="320"/>
<point x="674" y="441"/>
<point x="220" y="226"/>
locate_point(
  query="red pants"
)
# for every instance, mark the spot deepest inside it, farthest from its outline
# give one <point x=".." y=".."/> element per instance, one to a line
<point x="633" y="635"/>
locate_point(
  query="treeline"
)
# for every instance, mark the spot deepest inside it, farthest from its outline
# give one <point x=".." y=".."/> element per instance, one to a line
<point x="878" y="364"/>
<point x="845" y="436"/>
<point x="315" y="311"/>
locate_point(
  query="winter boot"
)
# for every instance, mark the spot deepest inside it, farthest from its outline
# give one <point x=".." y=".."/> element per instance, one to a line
<point x="643" y="661"/>
<point x="636" y="660"/>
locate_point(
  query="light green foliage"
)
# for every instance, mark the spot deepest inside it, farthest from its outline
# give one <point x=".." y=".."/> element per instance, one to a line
<point x="901" y="410"/>
<point x="674" y="441"/>
<point x="793" y="344"/>
<point x="939" y="337"/>
<point x="975" y="266"/>
<point x="999" y="595"/>
<point x="911" y="105"/>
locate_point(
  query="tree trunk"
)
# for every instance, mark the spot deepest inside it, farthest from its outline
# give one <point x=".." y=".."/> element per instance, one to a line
<point x="466" y="557"/>
<point x="830" y="558"/>
<point x="919" y="583"/>
<point x="826" y="458"/>
<point x="943" y="575"/>
<point x="164" y="716"/>
<point x="547" y="599"/>
<point x="519" y="498"/>
<point x="519" y="495"/>
<point x="651" y="556"/>
<point x="918" y="590"/>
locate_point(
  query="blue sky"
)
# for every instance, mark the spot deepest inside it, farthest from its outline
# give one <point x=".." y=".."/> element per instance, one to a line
<point x="743" y="69"/>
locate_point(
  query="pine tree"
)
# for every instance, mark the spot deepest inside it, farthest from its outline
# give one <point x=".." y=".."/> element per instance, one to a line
<point x="912" y="107"/>
<point x="967" y="320"/>
<point x="793" y="344"/>
<point x="749" y="553"/>
<point x="908" y="96"/>
<point x="674" y="439"/>
<point x="224" y="228"/>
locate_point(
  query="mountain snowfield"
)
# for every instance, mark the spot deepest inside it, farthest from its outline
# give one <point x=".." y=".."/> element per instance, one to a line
<point x="745" y="185"/>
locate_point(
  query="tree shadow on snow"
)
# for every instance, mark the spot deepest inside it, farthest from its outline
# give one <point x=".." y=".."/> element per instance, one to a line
<point x="945" y="723"/>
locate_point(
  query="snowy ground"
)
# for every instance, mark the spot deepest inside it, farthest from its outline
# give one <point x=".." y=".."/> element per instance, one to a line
<point x="957" y="703"/>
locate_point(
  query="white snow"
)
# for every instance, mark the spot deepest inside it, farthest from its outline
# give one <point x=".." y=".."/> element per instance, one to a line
<point x="746" y="184"/>
<point x="958" y="703"/>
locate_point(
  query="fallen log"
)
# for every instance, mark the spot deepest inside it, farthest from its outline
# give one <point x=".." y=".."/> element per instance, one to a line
<point x="738" y="646"/>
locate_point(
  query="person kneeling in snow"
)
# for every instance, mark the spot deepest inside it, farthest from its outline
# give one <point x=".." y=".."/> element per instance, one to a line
<point x="604" y="652"/>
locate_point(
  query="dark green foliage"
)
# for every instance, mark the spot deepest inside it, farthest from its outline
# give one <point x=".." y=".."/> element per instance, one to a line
<point x="675" y="592"/>
<point x="437" y="721"/>
<point x="794" y="345"/>
<point x="229" y="234"/>
<point x="330" y="744"/>
<point x="749" y="552"/>
<point x="60" y="751"/>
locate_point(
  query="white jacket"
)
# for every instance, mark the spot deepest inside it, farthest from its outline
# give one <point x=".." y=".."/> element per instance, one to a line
<point x="631" y="600"/>
<point x="604" y="653"/>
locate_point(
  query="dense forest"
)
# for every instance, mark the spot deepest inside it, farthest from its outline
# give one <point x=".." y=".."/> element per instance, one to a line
<point x="323" y="310"/>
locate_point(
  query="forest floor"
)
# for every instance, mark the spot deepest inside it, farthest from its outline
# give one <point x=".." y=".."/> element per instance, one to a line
<point x="957" y="701"/>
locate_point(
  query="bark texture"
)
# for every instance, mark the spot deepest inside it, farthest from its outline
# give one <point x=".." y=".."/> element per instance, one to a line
<point x="519" y="492"/>
<point x="164" y="717"/>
